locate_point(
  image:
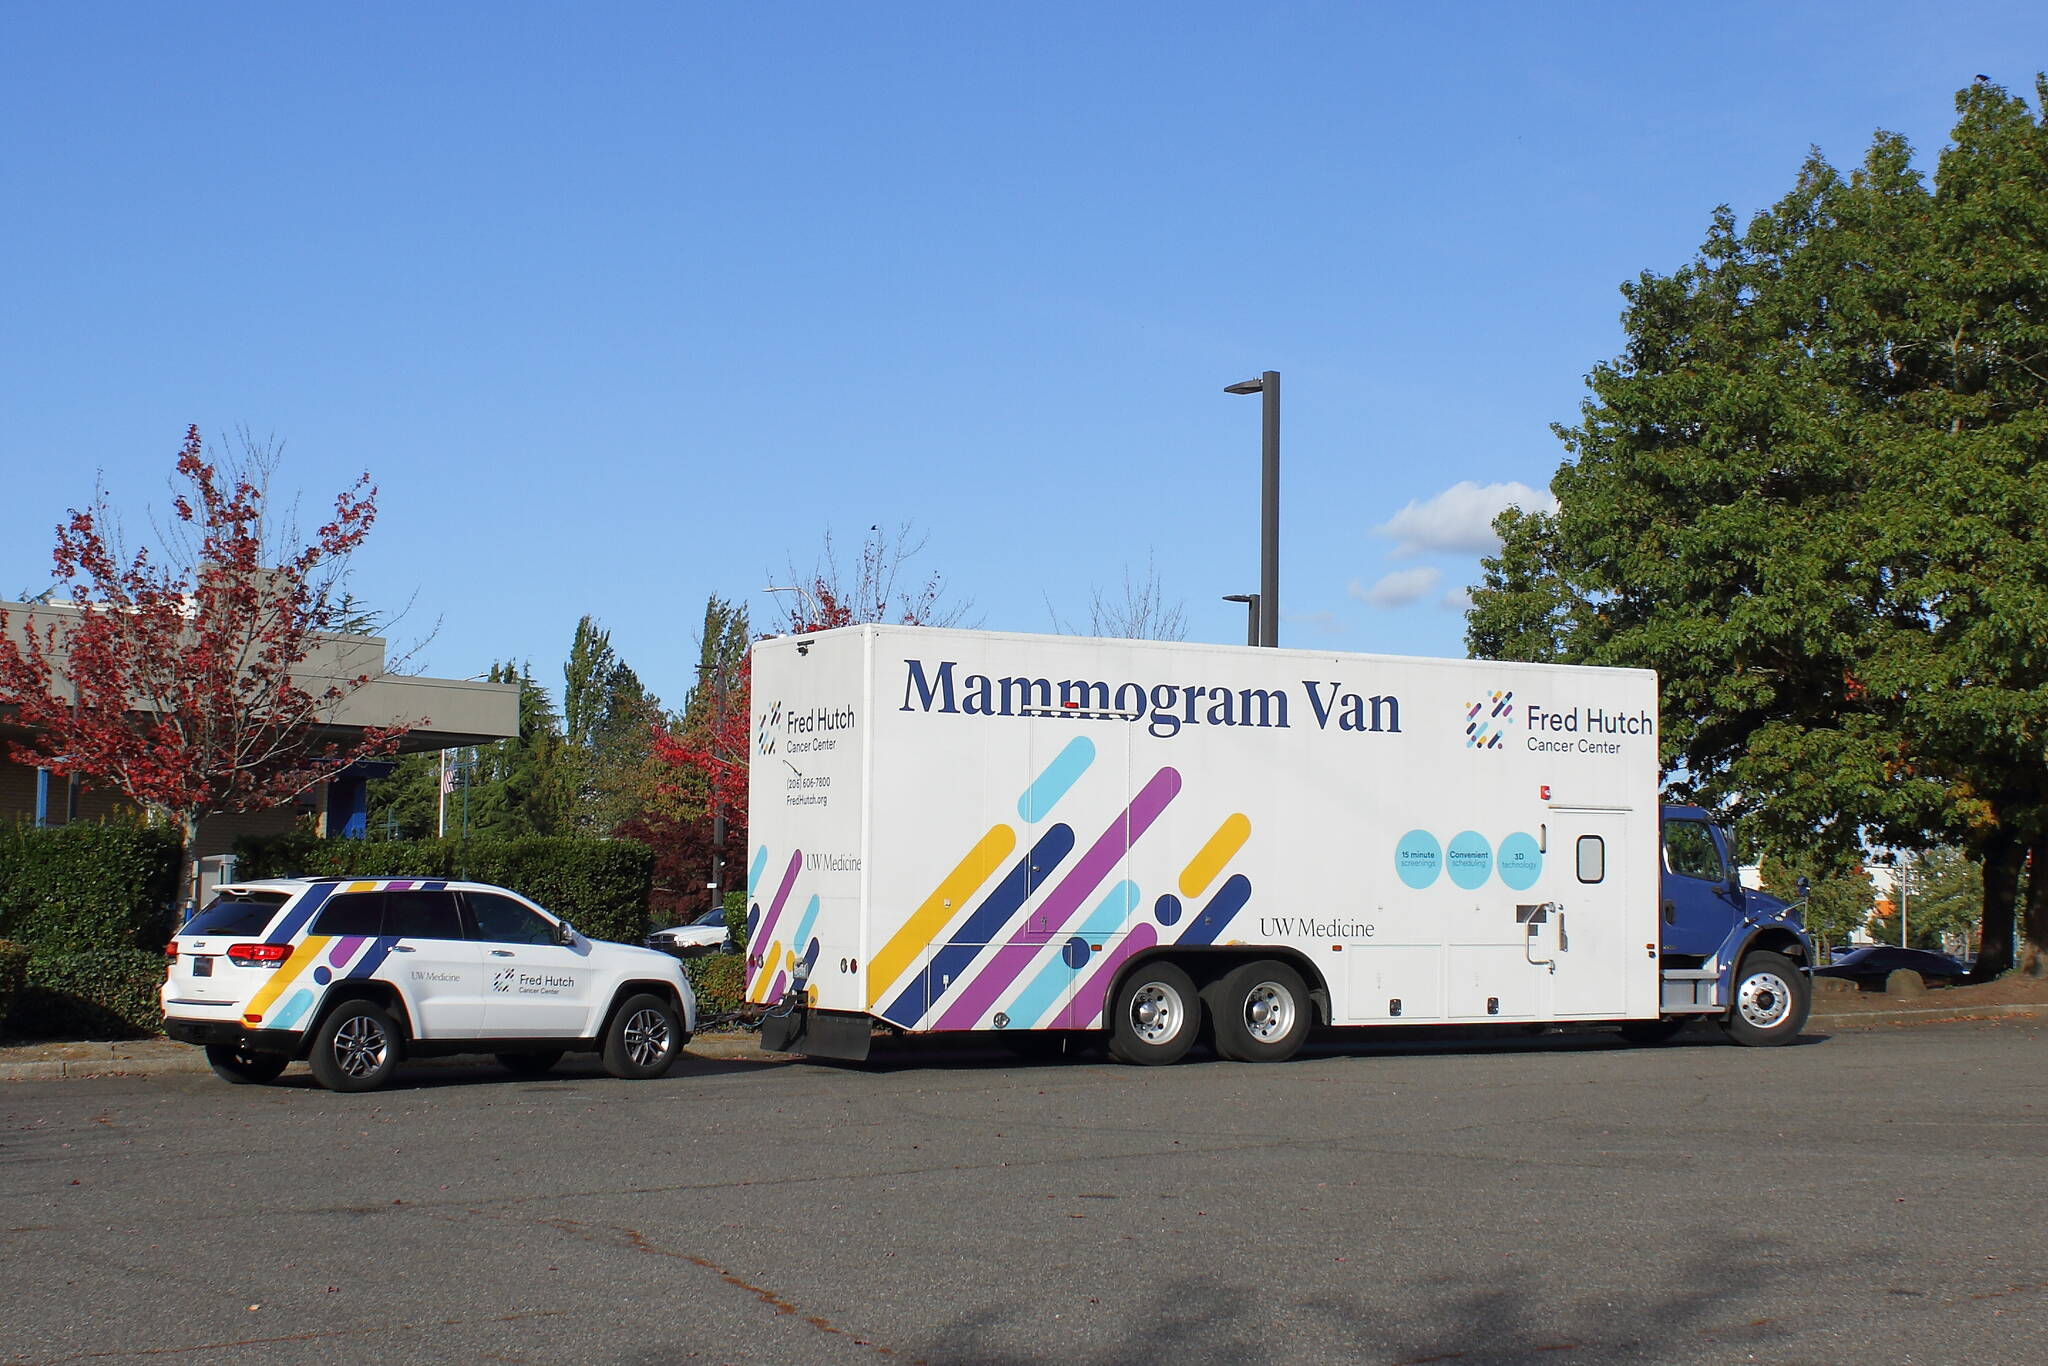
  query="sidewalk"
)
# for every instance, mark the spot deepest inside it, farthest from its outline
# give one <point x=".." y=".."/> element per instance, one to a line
<point x="163" y="1058"/>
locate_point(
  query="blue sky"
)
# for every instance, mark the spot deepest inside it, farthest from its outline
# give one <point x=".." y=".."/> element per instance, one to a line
<point x="623" y="305"/>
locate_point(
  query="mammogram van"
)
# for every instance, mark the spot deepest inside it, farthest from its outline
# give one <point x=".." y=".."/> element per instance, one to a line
<point x="956" y="831"/>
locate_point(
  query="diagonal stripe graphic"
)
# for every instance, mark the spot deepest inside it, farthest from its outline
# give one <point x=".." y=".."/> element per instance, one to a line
<point x="951" y="962"/>
<point x="1105" y="854"/>
<point x="1221" y="848"/>
<point x="942" y="905"/>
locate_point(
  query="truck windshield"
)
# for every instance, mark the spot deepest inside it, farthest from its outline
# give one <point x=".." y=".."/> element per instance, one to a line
<point x="236" y="913"/>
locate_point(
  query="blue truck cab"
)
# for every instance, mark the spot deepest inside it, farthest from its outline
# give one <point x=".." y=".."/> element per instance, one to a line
<point x="1726" y="951"/>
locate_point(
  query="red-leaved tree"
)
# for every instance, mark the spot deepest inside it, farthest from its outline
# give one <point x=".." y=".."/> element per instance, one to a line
<point x="182" y="685"/>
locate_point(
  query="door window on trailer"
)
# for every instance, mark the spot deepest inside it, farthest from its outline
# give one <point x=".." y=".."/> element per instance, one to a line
<point x="1592" y="853"/>
<point x="1689" y="851"/>
<point x="422" y="915"/>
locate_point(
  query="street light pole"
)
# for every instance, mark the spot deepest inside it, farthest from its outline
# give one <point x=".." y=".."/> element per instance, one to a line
<point x="1267" y="387"/>
<point x="802" y="597"/>
<point x="1251" y="615"/>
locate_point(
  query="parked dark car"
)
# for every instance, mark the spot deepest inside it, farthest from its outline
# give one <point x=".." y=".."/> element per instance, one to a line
<point x="1874" y="962"/>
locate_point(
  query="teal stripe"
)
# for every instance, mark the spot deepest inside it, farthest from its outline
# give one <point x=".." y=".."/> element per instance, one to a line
<point x="1051" y="785"/>
<point x="1045" y="990"/>
<point x="754" y="873"/>
<point x="803" y="929"/>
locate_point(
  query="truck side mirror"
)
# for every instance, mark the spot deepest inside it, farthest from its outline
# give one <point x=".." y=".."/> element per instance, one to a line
<point x="1803" y="887"/>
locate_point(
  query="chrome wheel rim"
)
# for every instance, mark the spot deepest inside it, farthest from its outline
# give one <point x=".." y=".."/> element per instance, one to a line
<point x="646" y="1035"/>
<point x="360" y="1046"/>
<point x="1157" y="1013"/>
<point x="1268" y="1012"/>
<point x="1764" y="999"/>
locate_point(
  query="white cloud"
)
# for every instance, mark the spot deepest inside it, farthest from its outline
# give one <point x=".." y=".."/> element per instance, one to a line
<point x="1460" y="519"/>
<point x="1458" y="600"/>
<point x="1399" y="588"/>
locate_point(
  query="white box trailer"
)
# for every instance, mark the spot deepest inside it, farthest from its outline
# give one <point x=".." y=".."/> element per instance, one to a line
<point x="957" y="831"/>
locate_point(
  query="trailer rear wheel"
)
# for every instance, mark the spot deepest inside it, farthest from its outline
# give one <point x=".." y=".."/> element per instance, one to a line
<point x="1260" y="1012"/>
<point x="1155" y="1016"/>
<point x="1771" y="1000"/>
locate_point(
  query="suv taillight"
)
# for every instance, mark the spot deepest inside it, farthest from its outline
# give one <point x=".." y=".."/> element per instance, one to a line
<point x="171" y="948"/>
<point x="247" y="955"/>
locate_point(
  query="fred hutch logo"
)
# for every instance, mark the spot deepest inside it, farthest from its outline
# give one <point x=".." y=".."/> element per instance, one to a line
<point x="764" y="734"/>
<point x="1488" y="719"/>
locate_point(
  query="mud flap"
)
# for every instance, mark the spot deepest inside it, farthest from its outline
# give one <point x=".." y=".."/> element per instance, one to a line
<point x="818" y="1034"/>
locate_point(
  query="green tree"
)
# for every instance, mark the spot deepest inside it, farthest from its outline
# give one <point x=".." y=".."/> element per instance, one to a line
<point x="1809" y="495"/>
<point x="521" y="785"/>
<point x="608" y="721"/>
<point x="1839" y="895"/>
<point x="1942" y="891"/>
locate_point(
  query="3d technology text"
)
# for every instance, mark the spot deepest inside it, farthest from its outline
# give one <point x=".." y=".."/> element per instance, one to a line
<point x="1164" y="707"/>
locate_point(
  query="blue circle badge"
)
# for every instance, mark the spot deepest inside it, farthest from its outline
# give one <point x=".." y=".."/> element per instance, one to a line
<point x="1470" y="859"/>
<point x="1418" y="858"/>
<point x="1521" y="862"/>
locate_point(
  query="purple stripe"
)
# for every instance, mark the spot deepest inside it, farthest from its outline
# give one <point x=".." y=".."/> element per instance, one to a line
<point x="1051" y="917"/>
<point x="399" y="885"/>
<point x="766" y="936"/>
<point x="345" y="950"/>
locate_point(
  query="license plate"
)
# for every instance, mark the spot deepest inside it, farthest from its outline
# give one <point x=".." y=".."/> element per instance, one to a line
<point x="202" y="967"/>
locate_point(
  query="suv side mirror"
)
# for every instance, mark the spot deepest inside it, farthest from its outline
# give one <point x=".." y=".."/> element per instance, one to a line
<point x="565" y="934"/>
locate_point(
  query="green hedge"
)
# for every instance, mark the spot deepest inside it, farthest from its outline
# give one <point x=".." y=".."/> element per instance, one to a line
<point x="87" y="886"/>
<point x="600" y="886"/>
<point x="106" y="993"/>
<point x="13" y="973"/>
<point x="719" y="980"/>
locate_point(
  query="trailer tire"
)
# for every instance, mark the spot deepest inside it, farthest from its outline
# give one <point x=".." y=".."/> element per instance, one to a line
<point x="1155" y="1016"/>
<point x="1260" y="1012"/>
<point x="1653" y="1031"/>
<point x="1771" y="1000"/>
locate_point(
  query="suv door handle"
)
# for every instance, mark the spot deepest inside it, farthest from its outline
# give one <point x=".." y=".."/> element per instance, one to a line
<point x="501" y="953"/>
<point x="401" y="948"/>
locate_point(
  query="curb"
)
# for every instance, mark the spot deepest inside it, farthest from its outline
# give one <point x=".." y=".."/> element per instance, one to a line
<point x="1849" y="1019"/>
<point x="176" y="1060"/>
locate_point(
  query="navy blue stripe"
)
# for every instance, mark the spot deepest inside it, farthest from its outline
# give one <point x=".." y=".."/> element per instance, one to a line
<point x="1230" y="898"/>
<point x="373" y="958"/>
<point x="984" y="926"/>
<point x="288" y="928"/>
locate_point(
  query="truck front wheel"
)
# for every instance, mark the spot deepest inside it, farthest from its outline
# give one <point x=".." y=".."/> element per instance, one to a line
<point x="1155" y="1016"/>
<point x="1260" y="1012"/>
<point x="1771" y="1000"/>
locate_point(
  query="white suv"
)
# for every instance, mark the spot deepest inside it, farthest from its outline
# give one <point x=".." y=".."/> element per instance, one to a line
<point x="354" y="975"/>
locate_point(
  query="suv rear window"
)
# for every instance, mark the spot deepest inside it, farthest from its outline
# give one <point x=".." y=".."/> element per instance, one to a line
<point x="236" y="913"/>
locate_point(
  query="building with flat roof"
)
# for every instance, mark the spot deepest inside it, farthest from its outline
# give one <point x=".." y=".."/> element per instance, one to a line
<point x="445" y="713"/>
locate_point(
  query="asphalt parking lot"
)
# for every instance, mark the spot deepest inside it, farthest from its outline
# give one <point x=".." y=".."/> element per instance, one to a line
<point x="1868" y="1197"/>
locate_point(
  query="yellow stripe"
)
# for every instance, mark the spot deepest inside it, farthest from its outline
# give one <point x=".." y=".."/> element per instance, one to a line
<point x="767" y="977"/>
<point x="362" y="887"/>
<point x="967" y="876"/>
<point x="305" y="954"/>
<point x="1222" y="846"/>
